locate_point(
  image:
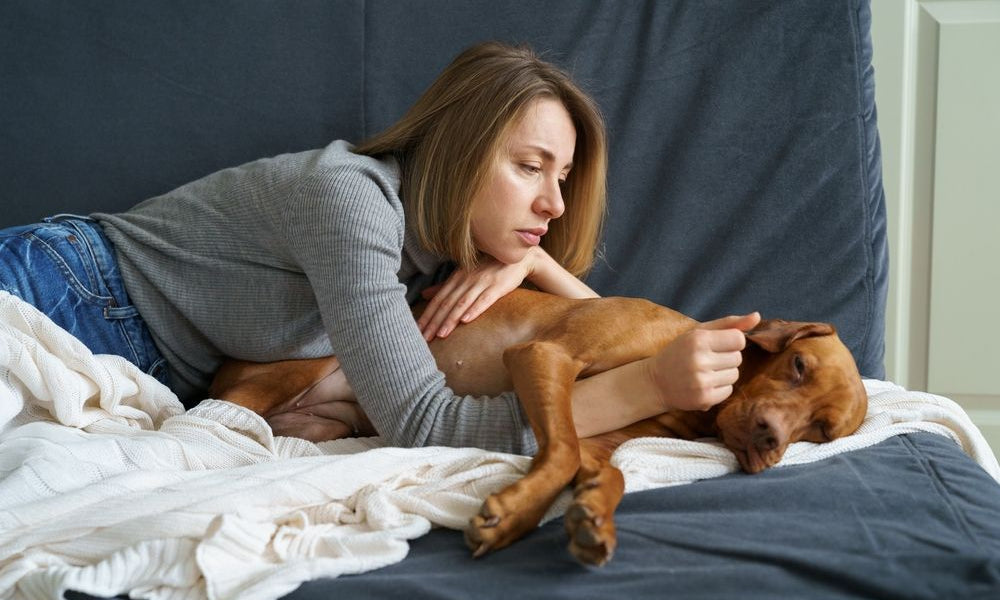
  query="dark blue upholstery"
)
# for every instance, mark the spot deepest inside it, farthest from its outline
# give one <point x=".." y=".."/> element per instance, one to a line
<point x="849" y="527"/>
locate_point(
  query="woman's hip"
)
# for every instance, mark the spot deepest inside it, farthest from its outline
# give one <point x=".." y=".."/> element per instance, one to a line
<point x="66" y="267"/>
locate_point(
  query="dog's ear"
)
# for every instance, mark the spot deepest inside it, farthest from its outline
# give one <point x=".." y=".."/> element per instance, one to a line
<point x="774" y="335"/>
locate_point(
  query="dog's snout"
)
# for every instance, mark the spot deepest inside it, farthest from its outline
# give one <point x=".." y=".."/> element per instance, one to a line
<point x="763" y="436"/>
<point x="767" y="434"/>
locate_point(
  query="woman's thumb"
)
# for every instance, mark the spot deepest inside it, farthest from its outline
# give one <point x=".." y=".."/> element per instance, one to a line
<point x="741" y="322"/>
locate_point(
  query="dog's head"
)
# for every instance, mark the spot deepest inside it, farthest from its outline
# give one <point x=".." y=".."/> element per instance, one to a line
<point x="798" y="382"/>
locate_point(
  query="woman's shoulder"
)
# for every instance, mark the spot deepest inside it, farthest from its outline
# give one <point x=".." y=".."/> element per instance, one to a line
<point x="346" y="190"/>
<point x="339" y="159"/>
<point x="335" y="175"/>
<point x="334" y="164"/>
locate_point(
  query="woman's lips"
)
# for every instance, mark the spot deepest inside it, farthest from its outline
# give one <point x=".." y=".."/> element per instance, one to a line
<point x="532" y="237"/>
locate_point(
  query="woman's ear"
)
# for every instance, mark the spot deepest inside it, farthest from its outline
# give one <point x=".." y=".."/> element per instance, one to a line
<point x="774" y="335"/>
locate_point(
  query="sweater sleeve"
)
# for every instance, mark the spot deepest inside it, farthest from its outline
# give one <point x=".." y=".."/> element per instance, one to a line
<point x="348" y="237"/>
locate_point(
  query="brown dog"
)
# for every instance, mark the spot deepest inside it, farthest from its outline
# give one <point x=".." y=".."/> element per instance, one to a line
<point x="797" y="382"/>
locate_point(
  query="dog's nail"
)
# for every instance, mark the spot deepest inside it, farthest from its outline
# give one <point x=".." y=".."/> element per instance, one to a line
<point x="593" y="555"/>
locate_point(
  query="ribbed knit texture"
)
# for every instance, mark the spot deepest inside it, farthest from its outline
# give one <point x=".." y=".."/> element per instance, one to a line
<point x="298" y="256"/>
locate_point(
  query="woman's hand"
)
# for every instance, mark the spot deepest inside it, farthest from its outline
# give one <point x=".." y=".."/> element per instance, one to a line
<point x="466" y="294"/>
<point x="697" y="370"/>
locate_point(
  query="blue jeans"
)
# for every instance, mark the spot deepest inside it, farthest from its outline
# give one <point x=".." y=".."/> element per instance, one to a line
<point x="66" y="267"/>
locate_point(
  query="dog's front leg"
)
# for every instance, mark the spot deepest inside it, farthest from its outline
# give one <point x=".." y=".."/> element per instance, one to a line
<point x="543" y="374"/>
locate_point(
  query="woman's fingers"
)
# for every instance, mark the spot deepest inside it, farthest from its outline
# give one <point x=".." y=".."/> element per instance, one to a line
<point x="467" y="294"/>
<point x="738" y="322"/>
<point x="447" y="318"/>
<point x="484" y="300"/>
<point x="441" y="301"/>
<point x="446" y="314"/>
<point x="722" y="361"/>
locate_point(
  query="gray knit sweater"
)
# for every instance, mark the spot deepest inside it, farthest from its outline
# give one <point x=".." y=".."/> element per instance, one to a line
<point x="302" y="255"/>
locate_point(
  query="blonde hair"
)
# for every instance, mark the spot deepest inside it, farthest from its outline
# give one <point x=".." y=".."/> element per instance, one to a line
<point x="449" y="139"/>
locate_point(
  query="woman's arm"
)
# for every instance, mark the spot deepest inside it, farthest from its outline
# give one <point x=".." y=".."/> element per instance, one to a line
<point x="549" y="276"/>
<point x="694" y="372"/>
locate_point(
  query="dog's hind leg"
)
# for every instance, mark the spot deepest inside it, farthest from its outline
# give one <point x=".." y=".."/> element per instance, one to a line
<point x="543" y="375"/>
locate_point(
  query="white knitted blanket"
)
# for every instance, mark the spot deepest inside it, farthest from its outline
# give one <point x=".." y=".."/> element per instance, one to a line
<point x="107" y="486"/>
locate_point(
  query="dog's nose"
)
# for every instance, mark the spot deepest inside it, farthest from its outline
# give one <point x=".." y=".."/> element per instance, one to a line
<point x="766" y="435"/>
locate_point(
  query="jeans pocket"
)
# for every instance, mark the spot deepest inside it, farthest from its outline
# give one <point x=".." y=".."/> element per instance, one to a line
<point x="71" y="257"/>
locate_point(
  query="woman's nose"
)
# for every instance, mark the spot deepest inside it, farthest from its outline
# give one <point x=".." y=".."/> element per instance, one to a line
<point x="550" y="201"/>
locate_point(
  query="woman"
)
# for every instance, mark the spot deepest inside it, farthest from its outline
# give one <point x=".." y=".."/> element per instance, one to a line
<point x="497" y="169"/>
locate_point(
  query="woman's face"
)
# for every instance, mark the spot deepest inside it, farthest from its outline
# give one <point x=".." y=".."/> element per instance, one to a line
<point x="523" y="190"/>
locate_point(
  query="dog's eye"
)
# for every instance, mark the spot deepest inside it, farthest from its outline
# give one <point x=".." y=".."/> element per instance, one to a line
<point x="799" y="367"/>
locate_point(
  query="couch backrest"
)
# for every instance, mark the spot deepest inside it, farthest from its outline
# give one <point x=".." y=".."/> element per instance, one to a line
<point x="745" y="168"/>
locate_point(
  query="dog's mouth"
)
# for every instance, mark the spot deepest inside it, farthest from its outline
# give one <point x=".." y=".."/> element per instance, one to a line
<point x="753" y="460"/>
<point x="756" y="447"/>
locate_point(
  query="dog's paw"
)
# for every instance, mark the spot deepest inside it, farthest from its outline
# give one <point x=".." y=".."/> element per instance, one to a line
<point x="479" y="535"/>
<point x="592" y="536"/>
<point x="497" y="526"/>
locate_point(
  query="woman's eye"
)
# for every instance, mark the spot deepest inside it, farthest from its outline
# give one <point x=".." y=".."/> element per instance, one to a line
<point x="532" y="169"/>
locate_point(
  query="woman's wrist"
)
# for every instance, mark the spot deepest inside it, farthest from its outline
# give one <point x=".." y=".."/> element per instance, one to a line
<point x="549" y="276"/>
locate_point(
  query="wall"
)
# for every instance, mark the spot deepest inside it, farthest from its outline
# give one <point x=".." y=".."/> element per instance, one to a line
<point x="938" y="94"/>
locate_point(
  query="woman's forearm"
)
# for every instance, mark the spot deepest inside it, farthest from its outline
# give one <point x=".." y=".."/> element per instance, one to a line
<point x="615" y="398"/>
<point x="549" y="276"/>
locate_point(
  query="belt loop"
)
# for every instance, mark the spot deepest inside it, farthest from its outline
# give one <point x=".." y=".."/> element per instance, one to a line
<point x="120" y="312"/>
